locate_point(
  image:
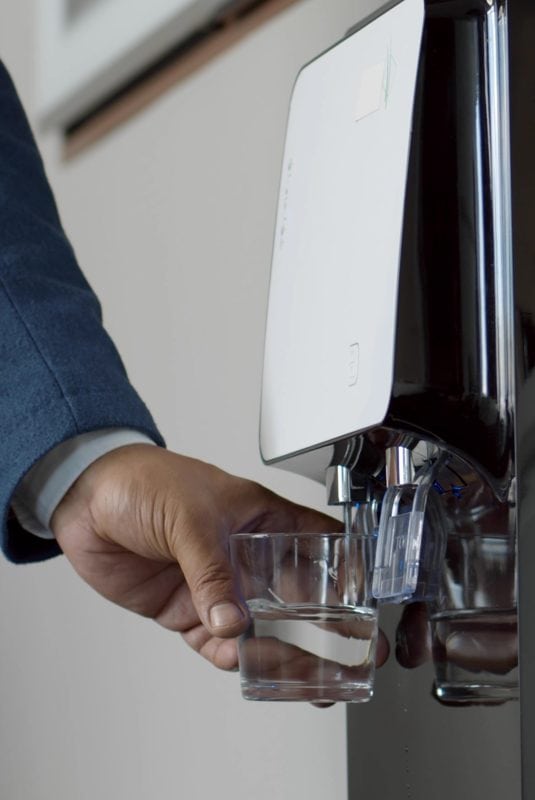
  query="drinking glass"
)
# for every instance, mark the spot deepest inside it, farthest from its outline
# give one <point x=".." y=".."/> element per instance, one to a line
<point x="474" y="621"/>
<point x="313" y="620"/>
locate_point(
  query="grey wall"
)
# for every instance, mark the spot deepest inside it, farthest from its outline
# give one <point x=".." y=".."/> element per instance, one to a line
<point x="171" y="216"/>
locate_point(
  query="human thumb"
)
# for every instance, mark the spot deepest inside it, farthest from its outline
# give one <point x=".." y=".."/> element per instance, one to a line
<point x="208" y="573"/>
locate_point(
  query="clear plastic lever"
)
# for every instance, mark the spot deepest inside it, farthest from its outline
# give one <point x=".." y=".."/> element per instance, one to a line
<point x="400" y="557"/>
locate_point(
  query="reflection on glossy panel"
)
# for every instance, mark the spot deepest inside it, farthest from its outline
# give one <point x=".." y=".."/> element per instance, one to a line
<point x="463" y="378"/>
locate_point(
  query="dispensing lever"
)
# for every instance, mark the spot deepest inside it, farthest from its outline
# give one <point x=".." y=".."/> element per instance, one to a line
<point x="400" y="558"/>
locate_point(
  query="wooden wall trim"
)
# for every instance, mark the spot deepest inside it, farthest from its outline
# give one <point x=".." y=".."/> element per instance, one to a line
<point x="234" y="27"/>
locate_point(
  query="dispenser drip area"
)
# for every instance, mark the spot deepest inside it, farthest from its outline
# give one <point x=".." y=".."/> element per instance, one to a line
<point x="445" y="548"/>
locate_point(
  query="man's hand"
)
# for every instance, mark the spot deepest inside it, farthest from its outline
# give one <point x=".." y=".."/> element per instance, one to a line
<point x="148" y="530"/>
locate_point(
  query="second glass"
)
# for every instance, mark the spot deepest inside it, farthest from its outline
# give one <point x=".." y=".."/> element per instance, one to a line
<point x="313" y="630"/>
<point x="474" y="624"/>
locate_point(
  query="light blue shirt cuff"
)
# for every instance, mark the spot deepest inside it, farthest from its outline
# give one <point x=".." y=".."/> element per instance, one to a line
<point x="44" y="486"/>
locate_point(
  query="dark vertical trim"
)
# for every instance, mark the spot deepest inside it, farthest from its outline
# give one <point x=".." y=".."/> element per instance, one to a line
<point x="521" y="14"/>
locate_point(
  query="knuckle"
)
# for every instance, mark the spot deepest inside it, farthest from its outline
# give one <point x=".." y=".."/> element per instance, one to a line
<point x="214" y="580"/>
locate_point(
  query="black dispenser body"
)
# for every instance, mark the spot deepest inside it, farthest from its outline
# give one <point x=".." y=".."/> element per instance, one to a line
<point x="464" y="383"/>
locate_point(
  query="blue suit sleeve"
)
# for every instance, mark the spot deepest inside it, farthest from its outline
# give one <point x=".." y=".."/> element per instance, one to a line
<point x="60" y="374"/>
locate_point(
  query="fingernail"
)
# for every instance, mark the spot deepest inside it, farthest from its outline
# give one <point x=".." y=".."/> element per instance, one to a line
<point x="224" y="614"/>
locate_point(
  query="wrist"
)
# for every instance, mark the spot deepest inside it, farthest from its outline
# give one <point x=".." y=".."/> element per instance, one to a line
<point x="96" y="489"/>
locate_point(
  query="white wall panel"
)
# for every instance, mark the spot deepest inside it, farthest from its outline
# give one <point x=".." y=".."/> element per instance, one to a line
<point x="172" y="218"/>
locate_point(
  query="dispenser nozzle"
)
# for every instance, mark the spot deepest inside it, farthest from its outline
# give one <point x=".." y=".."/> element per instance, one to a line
<point x="339" y="491"/>
<point x="399" y="466"/>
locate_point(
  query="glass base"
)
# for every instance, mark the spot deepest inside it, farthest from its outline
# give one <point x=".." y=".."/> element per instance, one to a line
<point x="458" y="693"/>
<point x="305" y="693"/>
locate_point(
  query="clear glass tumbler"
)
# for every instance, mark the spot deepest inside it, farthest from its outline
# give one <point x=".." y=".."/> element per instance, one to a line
<point x="313" y="629"/>
<point x="474" y="621"/>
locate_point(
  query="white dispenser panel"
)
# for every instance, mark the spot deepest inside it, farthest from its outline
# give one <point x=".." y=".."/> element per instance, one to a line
<point x="331" y="320"/>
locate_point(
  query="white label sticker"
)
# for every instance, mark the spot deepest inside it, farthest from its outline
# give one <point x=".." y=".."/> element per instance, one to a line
<point x="370" y="94"/>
